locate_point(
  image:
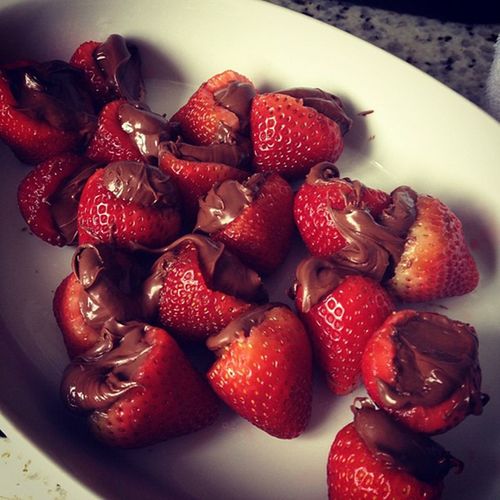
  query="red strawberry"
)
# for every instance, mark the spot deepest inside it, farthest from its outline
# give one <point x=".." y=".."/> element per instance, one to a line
<point x="45" y="110"/>
<point x="100" y="289"/>
<point x="264" y="370"/>
<point x="112" y="140"/>
<point x="323" y="192"/>
<point x="218" y="111"/>
<point x="340" y="313"/>
<point x="253" y="219"/>
<point x="112" y="69"/>
<point x="290" y="135"/>
<point x="195" y="169"/>
<point x="373" y="458"/>
<point x="48" y="197"/>
<point x="138" y="388"/>
<point x="436" y="261"/>
<point x="129" y="204"/>
<point x="197" y="287"/>
<point x="423" y="368"/>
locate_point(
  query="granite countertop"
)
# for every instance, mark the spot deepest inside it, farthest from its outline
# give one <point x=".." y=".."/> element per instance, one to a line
<point x="457" y="54"/>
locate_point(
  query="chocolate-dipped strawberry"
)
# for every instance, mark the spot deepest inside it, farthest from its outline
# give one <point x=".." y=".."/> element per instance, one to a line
<point x="127" y="131"/>
<point x="49" y="195"/>
<point x="423" y="369"/>
<point x="253" y="219"/>
<point x="340" y="313"/>
<point x="374" y="457"/>
<point x="197" y="287"/>
<point x="263" y="369"/>
<point x="195" y="169"/>
<point x="112" y="69"/>
<point x="102" y="287"/>
<point x="136" y="387"/>
<point x="45" y="109"/>
<point x="131" y="205"/>
<point x="294" y="129"/>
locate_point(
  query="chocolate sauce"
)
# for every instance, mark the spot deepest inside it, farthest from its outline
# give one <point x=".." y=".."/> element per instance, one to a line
<point x="237" y="97"/>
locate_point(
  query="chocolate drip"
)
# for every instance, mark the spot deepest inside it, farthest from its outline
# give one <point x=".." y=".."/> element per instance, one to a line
<point x="401" y="448"/>
<point x="120" y="64"/>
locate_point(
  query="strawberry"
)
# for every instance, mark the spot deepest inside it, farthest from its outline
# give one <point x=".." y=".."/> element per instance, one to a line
<point x="321" y="193"/>
<point x="264" y="370"/>
<point x="137" y="388"/>
<point x="289" y="136"/>
<point x="48" y="197"/>
<point x="340" y="314"/>
<point x="195" y="169"/>
<point x="112" y="69"/>
<point x="45" y="110"/>
<point x="423" y="369"/>
<point x="100" y="289"/>
<point x="253" y="219"/>
<point x="374" y="457"/>
<point x="218" y="111"/>
<point x="129" y="204"/>
<point x="127" y="132"/>
<point x="436" y="261"/>
<point x="197" y="287"/>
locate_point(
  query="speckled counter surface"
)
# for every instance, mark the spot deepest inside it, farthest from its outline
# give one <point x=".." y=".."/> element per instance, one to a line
<point x="457" y="54"/>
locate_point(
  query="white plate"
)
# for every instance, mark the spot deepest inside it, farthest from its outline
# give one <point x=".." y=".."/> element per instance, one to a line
<point x="420" y="133"/>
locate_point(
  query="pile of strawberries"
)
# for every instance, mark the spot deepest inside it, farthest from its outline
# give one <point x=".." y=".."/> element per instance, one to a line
<point x="176" y="221"/>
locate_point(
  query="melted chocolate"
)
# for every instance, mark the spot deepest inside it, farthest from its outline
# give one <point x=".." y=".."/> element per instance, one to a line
<point x="221" y="270"/>
<point x="324" y="103"/>
<point x="64" y="204"/>
<point x="145" y="128"/>
<point x="434" y="357"/>
<point x="237" y="97"/>
<point x="401" y="448"/>
<point x="400" y="215"/>
<point x="140" y="183"/>
<point x="96" y="380"/>
<point x="120" y="64"/>
<point x="239" y="328"/>
<point x="317" y="278"/>
<point x="323" y="173"/>
<point x="226" y="201"/>
<point x="234" y="155"/>
<point x="53" y="92"/>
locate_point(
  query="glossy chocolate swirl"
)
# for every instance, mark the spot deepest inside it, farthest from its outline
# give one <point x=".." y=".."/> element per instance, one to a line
<point x="140" y="183"/>
<point x="316" y="278"/>
<point x="400" y="215"/>
<point x="145" y="128"/>
<point x="401" y="448"/>
<point x="240" y="327"/>
<point x="53" y="92"/>
<point x="237" y="98"/>
<point x="120" y="64"/>
<point x="97" y="379"/>
<point x="221" y="270"/>
<point x="323" y="173"/>
<point x="434" y="357"/>
<point x="226" y="201"/>
<point x="324" y="103"/>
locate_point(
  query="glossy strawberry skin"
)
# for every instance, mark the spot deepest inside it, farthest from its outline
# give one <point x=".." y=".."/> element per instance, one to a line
<point x="378" y="364"/>
<point x="171" y="399"/>
<point x="78" y="336"/>
<point x="188" y="308"/>
<point x="266" y="377"/>
<point x="289" y="138"/>
<point x="110" y="142"/>
<point x="32" y="141"/>
<point x="104" y="218"/>
<point x="260" y="236"/>
<point x="436" y="260"/>
<point x="353" y="473"/>
<point x="200" y="119"/>
<point x="340" y="326"/>
<point x="36" y="189"/>
<point x="194" y="179"/>
<point x="312" y="205"/>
